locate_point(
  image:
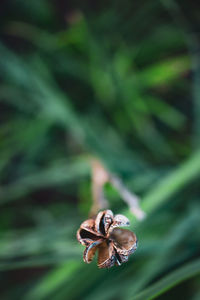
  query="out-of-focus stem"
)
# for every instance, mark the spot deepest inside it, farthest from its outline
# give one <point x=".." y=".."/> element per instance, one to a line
<point x="172" y="183"/>
<point x="131" y="199"/>
<point x="99" y="177"/>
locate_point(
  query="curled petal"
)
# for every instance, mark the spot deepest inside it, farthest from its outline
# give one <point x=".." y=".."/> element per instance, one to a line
<point x="120" y="258"/>
<point x="89" y="252"/>
<point x="88" y="225"/>
<point x="86" y="237"/>
<point x="125" y="241"/>
<point x="103" y="221"/>
<point x="120" y="220"/>
<point x="86" y="234"/>
<point x="108" y="220"/>
<point x="106" y="255"/>
<point x="98" y="222"/>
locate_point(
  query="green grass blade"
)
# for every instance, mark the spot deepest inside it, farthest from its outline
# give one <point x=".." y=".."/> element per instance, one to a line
<point x="183" y="273"/>
<point x="53" y="280"/>
<point x="172" y="183"/>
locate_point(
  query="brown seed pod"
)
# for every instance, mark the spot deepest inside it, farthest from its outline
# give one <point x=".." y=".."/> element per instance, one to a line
<point x="114" y="244"/>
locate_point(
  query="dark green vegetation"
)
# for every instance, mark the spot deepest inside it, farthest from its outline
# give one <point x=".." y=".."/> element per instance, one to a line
<point x="119" y="80"/>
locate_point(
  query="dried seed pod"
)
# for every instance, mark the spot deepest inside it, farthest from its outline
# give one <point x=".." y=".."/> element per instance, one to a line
<point x="114" y="244"/>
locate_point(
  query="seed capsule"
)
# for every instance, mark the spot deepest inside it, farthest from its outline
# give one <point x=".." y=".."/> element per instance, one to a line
<point x="114" y="244"/>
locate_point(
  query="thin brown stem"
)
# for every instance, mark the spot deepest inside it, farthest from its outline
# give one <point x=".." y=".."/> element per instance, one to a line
<point x="131" y="199"/>
<point x="99" y="177"/>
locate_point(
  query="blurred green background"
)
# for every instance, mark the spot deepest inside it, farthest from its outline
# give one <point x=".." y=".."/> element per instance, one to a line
<point x="119" y="80"/>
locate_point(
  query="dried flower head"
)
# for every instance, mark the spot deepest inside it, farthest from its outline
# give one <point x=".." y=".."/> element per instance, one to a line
<point x="102" y="233"/>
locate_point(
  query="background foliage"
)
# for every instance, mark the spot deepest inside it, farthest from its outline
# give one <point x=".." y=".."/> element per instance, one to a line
<point x="119" y="80"/>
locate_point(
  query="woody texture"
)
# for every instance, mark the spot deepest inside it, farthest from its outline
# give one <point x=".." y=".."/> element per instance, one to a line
<point x="104" y="235"/>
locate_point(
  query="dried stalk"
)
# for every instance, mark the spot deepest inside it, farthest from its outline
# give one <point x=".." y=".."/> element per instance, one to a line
<point x="99" y="177"/>
<point x="131" y="199"/>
